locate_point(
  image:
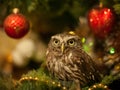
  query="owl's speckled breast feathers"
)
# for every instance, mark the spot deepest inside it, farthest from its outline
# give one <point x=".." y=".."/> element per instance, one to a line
<point x="67" y="61"/>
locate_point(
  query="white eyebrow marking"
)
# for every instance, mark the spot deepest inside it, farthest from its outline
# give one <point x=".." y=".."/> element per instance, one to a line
<point x="70" y="55"/>
<point x="47" y="52"/>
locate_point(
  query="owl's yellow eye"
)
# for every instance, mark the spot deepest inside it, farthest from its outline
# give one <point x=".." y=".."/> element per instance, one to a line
<point x="56" y="42"/>
<point x="71" y="42"/>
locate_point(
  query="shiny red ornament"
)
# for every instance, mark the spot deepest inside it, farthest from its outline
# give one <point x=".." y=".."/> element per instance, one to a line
<point x="101" y="21"/>
<point x="16" y="25"/>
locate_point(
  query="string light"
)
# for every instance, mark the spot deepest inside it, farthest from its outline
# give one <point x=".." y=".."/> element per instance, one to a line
<point x="58" y="83"/>
<point x="29" y="78"/>
<point x="117" y="67"/>
<point x="53" y="83"/>
<point x="112" y="50"/>
<point x="64" y="88"/>
<point x="99" y="86"/>
<point x="72" y="32"/>
<point x="83" y="40"/>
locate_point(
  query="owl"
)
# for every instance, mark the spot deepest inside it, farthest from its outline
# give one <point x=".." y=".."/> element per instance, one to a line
<point x="67" y="61"/>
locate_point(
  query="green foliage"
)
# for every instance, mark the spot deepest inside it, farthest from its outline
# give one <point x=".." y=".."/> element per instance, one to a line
<point x="107" y="3"/>
<point x="43" y="81"/>
<point x="33" y="85"/>
<point x="109" y="79"/>
<point x="6" y="82"/>
<point x="54" y="7"/>
<point x="117" y="8"/>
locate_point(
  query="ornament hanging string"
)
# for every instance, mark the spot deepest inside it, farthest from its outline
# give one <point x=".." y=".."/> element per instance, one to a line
<point x="15" y="10"/>
<point x="100" y="4"/>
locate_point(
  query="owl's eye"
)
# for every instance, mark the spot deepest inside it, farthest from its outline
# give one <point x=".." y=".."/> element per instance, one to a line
<point x="71" y="42"/>
<point x="56" y="42"/>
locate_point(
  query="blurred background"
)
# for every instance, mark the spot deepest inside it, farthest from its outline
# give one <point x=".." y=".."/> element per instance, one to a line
<point x="97" y="22"/>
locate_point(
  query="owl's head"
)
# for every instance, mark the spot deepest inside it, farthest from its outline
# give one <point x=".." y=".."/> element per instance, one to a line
<point x="61" y="43"/>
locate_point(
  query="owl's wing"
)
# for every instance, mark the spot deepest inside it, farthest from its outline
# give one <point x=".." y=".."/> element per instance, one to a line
<point x="86" y="66"/>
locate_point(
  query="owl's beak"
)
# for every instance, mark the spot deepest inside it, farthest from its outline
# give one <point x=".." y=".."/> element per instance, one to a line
<point x="62" y="47"/>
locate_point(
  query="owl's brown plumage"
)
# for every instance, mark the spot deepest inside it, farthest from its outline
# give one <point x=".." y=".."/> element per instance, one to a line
<point x="67" y="61"/>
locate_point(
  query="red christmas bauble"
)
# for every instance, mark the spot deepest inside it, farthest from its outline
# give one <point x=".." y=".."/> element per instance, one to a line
<point x="101" y="21"/>
<point x="16" y="25"/>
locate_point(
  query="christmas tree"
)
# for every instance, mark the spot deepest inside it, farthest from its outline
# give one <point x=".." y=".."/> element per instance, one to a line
<point x="26" y="27"/>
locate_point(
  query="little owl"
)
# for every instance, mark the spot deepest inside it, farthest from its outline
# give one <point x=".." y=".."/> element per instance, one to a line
<point x="67" y="61"/>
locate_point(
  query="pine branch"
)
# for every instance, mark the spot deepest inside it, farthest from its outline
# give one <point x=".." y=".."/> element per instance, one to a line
<point x="38" y="80"/>
<point x="117" y="8"/>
